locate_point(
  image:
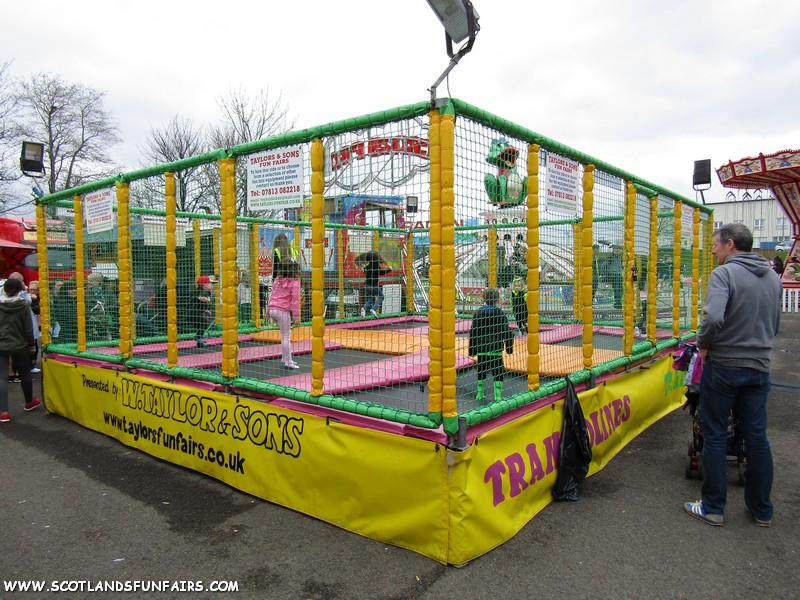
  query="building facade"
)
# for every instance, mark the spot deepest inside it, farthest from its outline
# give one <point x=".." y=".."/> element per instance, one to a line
<point x="763" y="215"/>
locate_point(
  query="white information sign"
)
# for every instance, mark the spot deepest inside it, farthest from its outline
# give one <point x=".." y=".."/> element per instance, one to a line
<point x="564" y="186"/>
<point x="98" y="211"/>
<point x="275" y="179"/>
<point x="687" y="220"/>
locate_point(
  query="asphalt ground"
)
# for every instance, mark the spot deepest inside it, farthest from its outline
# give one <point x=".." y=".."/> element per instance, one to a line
<point x="78" y="506"/>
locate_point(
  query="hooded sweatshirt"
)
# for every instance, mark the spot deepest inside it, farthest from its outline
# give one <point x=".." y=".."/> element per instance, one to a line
<point x="16" y="326"/>
<point x="742" y="312"/>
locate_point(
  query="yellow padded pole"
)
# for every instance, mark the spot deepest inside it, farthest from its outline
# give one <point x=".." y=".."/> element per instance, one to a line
<point x="410" y="272"/>
<point x="216" y="234"/>
<point x="628" y="263"/>
<point x="80" y="272"/>
<point x="340" y="269"/>
<point x="172" y="270"/>
<point x="652" y="272"/>
<point x="695" y="266"/>
<point x="435" y="271"/>
<point x="492" y="257"/>
<point x="198" y="265"/>
<point x="577" y="269"/>
<point x="228" y="280"/>
<point x="449" y="407"/>
<point x="676" y="269"/>
<point x="532" y="259"/>
<point x="637" y="296"/>
<point x="588" y="236"/>
<point x="125" y="293"/>
<point x="317" y="267"/>
<point x="44" y="273"/>
<point x="709" y="258"/>
<point x="255" y="295"/>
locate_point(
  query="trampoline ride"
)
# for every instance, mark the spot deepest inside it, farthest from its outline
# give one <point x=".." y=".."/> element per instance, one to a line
<point x="380" y="430"/>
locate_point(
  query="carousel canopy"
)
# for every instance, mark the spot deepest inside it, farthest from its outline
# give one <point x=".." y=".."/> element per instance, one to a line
<point x="778" y="172"/>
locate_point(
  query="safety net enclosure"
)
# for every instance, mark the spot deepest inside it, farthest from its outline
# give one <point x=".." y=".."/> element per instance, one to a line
<point x="168" y="270"/>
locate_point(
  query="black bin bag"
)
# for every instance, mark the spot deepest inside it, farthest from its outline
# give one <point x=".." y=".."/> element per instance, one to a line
<point x="575" y="453"/>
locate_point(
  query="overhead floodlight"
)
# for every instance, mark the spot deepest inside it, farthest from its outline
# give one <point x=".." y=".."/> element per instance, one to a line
<point x="460" y="21"/>
<point x="31" y="161"/>
<point x="701" y="180"/>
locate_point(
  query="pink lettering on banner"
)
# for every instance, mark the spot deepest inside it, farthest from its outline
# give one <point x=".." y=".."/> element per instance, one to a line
<point x="517" y="472"/>
<point x="603" y="422"/>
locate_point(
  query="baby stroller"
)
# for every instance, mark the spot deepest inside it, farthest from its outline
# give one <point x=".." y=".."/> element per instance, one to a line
<point x="688" y="360"/>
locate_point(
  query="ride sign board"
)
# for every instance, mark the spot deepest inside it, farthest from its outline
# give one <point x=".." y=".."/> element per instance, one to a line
<point x="275" y="179"/>
<point x="563" y="187"/>
<point x="98" y="210"/>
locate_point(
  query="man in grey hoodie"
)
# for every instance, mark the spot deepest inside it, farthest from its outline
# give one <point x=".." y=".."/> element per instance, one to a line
<point x="740" y="320"/>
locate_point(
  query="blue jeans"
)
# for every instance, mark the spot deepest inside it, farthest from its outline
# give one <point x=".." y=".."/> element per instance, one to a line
<point x="743" y="390"/>
<point x="373" y="297"/>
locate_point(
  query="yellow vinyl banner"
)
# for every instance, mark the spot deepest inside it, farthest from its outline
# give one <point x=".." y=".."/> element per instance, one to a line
<point x="507" y="475"/>
<point x="452" y="506"/>
<point x="386" y="487"/>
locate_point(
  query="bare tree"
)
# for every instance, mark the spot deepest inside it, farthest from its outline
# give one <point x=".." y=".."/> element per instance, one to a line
<point x="71" y="122"/>
<point x="245" y="119"/>
<point x="177" y="140"/>
<point x="9" y="169"/>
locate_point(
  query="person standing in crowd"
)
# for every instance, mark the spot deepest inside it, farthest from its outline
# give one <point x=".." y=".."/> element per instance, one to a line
<point x="33" y="291"/>
<point x="489" y="335"/>
<point x="65" y="312"/>
<point x="16" y="342"/>
<point x="55" y="298"/>
<point x="245" y="298"/>
<point x="284" y="306"/>
<point x="14" y="374"/>
<point x="740" y="319"/>
<point x="777" y="265"/>
<point x="373" y="266"/>
<point x="519" y="304"/>
<point x="97" y="309"/>
<point x="203" y="315"/>
<point x="595" y="269"/>
<point x="640" y="281"/>
<point x="613" y="273"/>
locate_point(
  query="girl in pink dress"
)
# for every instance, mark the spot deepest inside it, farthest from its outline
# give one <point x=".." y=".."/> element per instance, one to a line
<point x="284" y="306"/>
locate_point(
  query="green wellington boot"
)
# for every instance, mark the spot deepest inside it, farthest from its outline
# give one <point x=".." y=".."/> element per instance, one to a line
<point x="480" y="396"/>
<point x="498" y="390"/>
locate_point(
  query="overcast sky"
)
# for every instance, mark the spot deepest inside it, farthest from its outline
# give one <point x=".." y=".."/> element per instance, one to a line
<point x="648" y="87"/>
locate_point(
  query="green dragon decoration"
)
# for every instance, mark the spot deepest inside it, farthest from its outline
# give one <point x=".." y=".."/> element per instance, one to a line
<point x="506" y="188"/>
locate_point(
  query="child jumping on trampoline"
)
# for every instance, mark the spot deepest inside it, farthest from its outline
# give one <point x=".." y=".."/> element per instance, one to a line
<point x="373" y="266"/>
<point x="488" y="336"/>
<point x="284" y="306"/>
